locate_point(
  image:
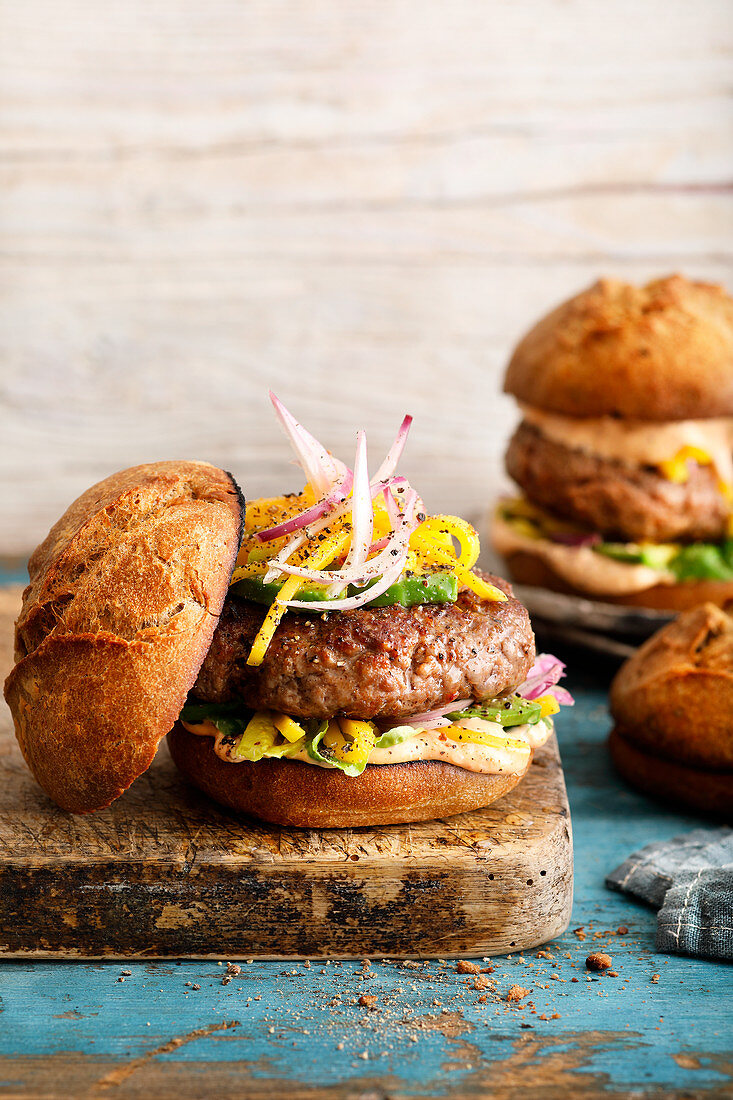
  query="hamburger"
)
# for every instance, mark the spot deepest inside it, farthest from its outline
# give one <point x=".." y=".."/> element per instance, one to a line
<point x="624" y="454"/>
<point x="326" y="658"/>
<point x="671" y="703"/>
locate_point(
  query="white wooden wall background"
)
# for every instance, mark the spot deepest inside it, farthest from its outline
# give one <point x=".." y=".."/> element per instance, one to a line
<point x="360" y="204"/>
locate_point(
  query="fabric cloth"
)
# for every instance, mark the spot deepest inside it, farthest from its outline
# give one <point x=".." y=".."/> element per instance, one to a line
<point x="689" y="880"/>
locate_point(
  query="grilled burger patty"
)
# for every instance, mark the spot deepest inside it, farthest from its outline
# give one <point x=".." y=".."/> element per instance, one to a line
<point x="391" y="661"/>
<point x="631" y="503"/>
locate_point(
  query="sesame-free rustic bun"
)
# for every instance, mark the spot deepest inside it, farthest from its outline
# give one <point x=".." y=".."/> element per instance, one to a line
<point x="124" y="597"/>
<point x="287" y="792"/>
<point x="659" y="352"/>
<point x="672" y="703"/>
<point x="526" y="567"/>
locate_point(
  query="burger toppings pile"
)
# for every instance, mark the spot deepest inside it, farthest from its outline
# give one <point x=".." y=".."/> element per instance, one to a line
<point x="350" y="544"/>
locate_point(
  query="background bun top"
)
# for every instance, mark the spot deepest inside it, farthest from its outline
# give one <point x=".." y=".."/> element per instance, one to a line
<point x="124" y="597"/>
<point x="659" y="352"/>
<point x="674" y="696"/>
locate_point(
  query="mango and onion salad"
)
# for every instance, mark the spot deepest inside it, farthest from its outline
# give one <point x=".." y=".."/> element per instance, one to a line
<point x="347" y="541"/>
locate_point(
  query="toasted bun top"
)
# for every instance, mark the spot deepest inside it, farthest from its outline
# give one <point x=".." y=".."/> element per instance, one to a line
<point x="674" y="697"/>
<point x="124" y="597"/>
<point x="659" y="352"/>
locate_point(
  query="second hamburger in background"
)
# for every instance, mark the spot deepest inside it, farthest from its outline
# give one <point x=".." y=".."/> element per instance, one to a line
<point x="625" y="451"/>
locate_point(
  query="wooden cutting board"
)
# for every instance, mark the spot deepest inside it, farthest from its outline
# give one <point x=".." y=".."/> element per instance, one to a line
<point x="164" y="872"/>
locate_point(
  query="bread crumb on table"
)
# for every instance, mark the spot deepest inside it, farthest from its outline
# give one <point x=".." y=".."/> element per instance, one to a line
<point x="599" y="961"/>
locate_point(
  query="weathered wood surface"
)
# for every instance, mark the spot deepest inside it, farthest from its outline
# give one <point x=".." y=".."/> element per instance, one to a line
<point x="658" y="1030"/>
<point x="362" y="205"/>
<point x="164" y="872"/>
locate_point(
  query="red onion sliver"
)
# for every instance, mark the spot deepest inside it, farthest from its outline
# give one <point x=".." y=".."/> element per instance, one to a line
<point x="338" y="493"/>
<point x="568" y="538"/>
<point x="362" y="509"/>
<point x="320" y="468"/>
<point x="397" y="548"/>
<point x="438" y="713"/>
<point x="388" y="577"/>
<point x="543" y="678"/>
<point x="394" y="454"/>
<point x="275" y="564"/>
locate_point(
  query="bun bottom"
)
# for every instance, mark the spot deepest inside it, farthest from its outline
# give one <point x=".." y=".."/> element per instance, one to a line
<point x="288" y="792"/>
<point x="709" y="792"/>
<point x="527" y="568"/>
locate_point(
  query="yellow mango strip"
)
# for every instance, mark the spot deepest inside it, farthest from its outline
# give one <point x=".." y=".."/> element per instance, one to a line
<point x="441" y="529"/>
<point x="414" y="563"/>
<point x="549" y="705"/>
<point x="676" y="469"/>
<point x="267" y="511"/>
<point x="326" y="550"/>
<point x="290" y="730"/>
<point x="358" y="731"/>
<point x="262" y="513"/>
<point x="258" y="737"/>
<point x="481" y="587"/>
<point x="438" y="555"/>
<point x="260" y="553"/>
<point x="334" y="739"/>
<point x="479" y="737"/>
<point x="272" y="620"/>
<point x="256" y="569"/>
<point x="351" y="741"/>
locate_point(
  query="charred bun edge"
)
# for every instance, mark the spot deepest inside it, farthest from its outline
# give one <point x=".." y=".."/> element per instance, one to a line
<point x="530" y="569"/>
<point x="680" y="785"/>
<point x="124" y="597"/>
<point x="291" y="793"/>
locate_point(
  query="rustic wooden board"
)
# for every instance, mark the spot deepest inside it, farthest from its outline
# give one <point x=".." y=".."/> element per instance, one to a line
<point x="164" y="872"/>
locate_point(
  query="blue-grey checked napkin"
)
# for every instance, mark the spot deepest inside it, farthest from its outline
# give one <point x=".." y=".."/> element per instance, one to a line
<point x="689" y="879"/>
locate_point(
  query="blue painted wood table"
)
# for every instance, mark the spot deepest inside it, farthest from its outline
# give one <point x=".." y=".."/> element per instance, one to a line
<point x="652" y="1026"/>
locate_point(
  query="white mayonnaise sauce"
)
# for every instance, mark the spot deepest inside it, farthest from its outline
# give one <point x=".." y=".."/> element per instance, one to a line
<point x="580" y="566"/>
<point x="431" y="745"/>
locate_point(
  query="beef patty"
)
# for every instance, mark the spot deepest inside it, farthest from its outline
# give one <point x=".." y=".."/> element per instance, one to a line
<point x="631" y="503"/>
<point x="391" y="661"/>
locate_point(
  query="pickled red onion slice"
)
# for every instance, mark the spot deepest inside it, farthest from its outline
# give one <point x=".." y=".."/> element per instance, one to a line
<point x="338" y="493"/>
<point x="320" y="468"/>
<point x="543" y="680"/>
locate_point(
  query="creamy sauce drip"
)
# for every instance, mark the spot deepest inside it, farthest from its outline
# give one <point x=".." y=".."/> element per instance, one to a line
<point x="580" y="566"/>
<point x="639" y="442"/>
<point x="426" y="745"/>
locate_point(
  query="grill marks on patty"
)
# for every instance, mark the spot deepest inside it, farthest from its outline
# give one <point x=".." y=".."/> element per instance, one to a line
<point x="391" y="661"/>
<point x="630" y="503"/>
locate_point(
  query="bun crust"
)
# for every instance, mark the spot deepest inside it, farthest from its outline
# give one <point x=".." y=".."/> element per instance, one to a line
<point x="527" y="568"/>
<point x="124" y="597"/>
<point x="697" y="788"/>
<point x="659" y="352"/>
<point x="288" y="792"/>
<point x="674" y="697"/>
